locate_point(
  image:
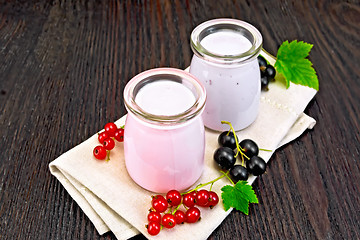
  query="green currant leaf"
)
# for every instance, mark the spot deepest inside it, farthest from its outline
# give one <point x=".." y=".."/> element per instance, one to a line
<point x="238" y="196"/>
<point x="291" y="62"/>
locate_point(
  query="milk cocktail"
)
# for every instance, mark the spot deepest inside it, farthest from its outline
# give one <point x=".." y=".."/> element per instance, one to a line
<point x="164" y="132"/>
<point x="225" y="61"/>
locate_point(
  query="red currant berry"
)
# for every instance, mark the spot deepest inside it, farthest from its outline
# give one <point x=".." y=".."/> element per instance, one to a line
<point x="193" y="193"/>
<point x="110" y="128"/>
<point x="213" y="199"/>
<point x="154" y="217"/>
<point x="153" y="228"/>
<point x="119" y="135"/>
<point x="102" y="136"/>
<point x="109" y="143"/>
<point x="159" y="203"/>
<point x="173" y="197"/>
<point x="168" y="221"/>
<point x="100" y="152"/>
<point x="189" y="200"/>
<point x="192" y="215"/>
<point x="202" y="198"/>
<point x="180" y="217"/>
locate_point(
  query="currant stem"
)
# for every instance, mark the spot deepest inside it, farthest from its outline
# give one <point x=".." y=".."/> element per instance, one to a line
<point x="108" y="155"/>
<point x="239" y="149"/>
<point x="170" y="210"/>
<point x="173" y="212"/>
<point x="228" y="132"/>
<point x="226" y="174"/>
<point x="266" y="150"/>
<point x="205" y="184"/>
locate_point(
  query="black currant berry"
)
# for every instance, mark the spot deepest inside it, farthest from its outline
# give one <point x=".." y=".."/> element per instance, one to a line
<point x="250" y="147"/>
<point x="238" y="172"/>
<point x="262" y="62"/>
<point x="264" y="83"/>
<point x="262" y="73"/>
<point x="224" y="156"/>
<point x="227" y="139"/>
<point x="256" y="165"/>
<point x="270" y="72"/>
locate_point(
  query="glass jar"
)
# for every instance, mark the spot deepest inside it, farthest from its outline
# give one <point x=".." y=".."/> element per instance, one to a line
<point x="164" y="139"/>
<point x="225" y="61"/>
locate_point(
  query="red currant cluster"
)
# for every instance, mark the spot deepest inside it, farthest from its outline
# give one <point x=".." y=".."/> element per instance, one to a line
<point x="172" y="202"/>
<point x="106" y="138"/>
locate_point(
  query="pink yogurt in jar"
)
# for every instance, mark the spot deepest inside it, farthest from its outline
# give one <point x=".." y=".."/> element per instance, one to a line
<point x="164" y="140"/>
<point x="225" y="61"/>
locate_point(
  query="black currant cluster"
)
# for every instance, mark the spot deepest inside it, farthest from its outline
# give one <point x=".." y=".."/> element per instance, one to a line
<point x="267" y="71"/>
<point x="248" y="151"/>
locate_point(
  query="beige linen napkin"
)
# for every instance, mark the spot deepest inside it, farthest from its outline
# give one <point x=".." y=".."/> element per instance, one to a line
<point x="113" y="202"/>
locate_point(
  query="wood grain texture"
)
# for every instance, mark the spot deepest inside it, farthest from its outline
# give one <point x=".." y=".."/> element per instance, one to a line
<point x="63" y="67"/>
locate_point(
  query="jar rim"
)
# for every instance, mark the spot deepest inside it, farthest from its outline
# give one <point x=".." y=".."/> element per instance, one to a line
<point x="235" y="25"/>
<point x="159" y="74"/>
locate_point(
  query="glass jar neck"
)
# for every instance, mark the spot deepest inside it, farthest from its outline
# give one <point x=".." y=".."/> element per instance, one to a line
<point x="164" y="78"/>
<point x="226" y="41"/>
